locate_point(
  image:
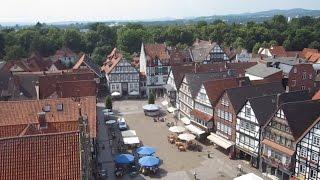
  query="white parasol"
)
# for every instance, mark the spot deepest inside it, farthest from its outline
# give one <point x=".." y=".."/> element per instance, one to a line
<point x="115" y="93"/>
<point x="177" y="129"/>
<point x="186" y="137"/>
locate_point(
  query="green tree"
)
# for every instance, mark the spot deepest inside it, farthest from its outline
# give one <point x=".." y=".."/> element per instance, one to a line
<point x="151" y="98"/>
<point x="108" y="102"/>
<point x="14" y="52"/>
<point x="314" y="45"/>
<point x="129" y="40"/>
<point x="73" y="40"/>
<point x="100" y="53"/>
<point x="2" y="45"/>
<point x="256" y="47"/>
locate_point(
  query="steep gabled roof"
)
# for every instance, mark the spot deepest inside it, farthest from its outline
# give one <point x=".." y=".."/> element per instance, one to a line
<point x="279" y="51"/>
<point x="195" y="80"/>
<point x="239" y="95"/>
<point x="300" y="115"/>
<point x="201" y="49"/>
<point x="215" y="88"/>
<point x="264" y="107"/>
<point x="154" y="51"/>
<point x="111" y="61"/>
<point x="85" y="60"/>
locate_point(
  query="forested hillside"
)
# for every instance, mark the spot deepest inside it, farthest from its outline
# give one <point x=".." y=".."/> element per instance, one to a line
<point x="99" y="39"/>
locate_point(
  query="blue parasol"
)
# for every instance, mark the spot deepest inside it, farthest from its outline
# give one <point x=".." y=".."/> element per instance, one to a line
<point x="124" y="159"/>
<point x="149" y="161"/>
<point x="146" y="150"/>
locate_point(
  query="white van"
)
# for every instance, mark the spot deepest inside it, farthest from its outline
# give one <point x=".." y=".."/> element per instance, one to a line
<point x="122" y="124"/>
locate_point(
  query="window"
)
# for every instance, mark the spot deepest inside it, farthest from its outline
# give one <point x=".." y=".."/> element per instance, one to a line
<point x="294" y="83"/>
<point x="314" y="156"/>
<point x="313" y="174"/>
<point x="316" y="140"/>
<point x="302" y="168"/>
<point x="303" y="152"/>
<point x="218" y="125"/>
<point x="303" y="87"/>
<point x="247" y="111"/>
<point x="304" y="75"/>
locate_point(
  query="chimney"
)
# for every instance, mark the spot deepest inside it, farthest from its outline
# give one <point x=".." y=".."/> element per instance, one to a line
<point x="42" y="120"/>
<point x="37" y="90"/>
<point x="274" y="56"/>
<point x="225" y="65"/>
<point x="297" y="55"/>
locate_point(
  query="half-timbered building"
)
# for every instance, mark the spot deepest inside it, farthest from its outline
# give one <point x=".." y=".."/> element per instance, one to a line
<point x="190" y="87"/>
<point x="227" y="108"/>
<point x="253" y="116"/>
<point x="155" y="64"/>
<point x="307" y="159"/>
<point x="280" y="137"/>
<point x="207" y="52"/>
<point x="121" y="76"/>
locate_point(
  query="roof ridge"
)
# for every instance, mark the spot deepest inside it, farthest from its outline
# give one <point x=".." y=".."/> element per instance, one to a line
<point x="35" y="135"/>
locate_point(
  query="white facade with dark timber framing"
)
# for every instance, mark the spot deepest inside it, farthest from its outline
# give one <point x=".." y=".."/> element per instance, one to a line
<point x="155" y="64"/>
<point x="203" y="105"/>
<point x="186" y="102"/>
<point x="248" y="132"/>
<point x="308" y="152"/>
<point x="172" y="94"/>
<point x="124" y="78"/>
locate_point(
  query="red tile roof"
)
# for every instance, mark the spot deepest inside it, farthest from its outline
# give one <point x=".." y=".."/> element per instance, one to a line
<point x="313" y="57"/>
<point x="201" y="115"/>
<point x="316" y="96"/>
<point x="51" y="156"/>
<point x="279" y="51"/>
<point x="215" y="88"/>
<point x="154" y="51"/>
<point x="80" y="61"/>
<point x="64" y="83"/>
<point x="111" y="61"/>
<point x="278" y="147"/>
<point x="15" y="116"/>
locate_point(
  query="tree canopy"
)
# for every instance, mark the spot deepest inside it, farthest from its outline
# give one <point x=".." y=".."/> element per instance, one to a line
<point x="98" y="39"/>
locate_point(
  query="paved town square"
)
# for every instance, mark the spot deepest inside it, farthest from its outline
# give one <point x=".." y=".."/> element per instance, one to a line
<point x="175" y="164"/>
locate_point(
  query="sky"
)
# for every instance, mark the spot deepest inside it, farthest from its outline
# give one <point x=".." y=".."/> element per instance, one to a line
<point x="103" y="10"/>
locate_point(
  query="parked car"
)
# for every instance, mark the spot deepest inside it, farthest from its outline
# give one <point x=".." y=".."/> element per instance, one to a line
<point x="122" y="124"/>
<point x="102" y="174"/>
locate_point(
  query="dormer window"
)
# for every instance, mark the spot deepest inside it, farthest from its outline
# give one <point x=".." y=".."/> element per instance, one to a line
<point x="46" y="108"/>
<point x="60" y="107"/>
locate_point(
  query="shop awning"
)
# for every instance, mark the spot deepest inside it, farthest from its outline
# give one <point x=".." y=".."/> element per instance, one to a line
<point x="129" y="133"/>
<point x="220" y="141"/>
<point x="278" y="147"/>
<point x="171" y="109"/>
<point x="185" y="120"/>
<point x="131" y="140"/>
<point x="195" y="130"/>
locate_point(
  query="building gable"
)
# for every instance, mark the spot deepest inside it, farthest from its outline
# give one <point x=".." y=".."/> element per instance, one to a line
<point x="202" y="96"/>
<point x="247" y="113"/>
